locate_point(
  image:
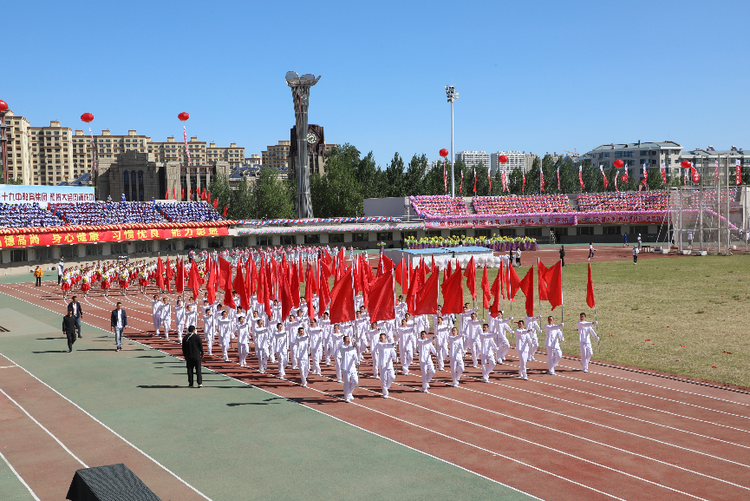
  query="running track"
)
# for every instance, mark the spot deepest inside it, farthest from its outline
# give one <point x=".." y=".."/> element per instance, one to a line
<point x="608" y="434"/>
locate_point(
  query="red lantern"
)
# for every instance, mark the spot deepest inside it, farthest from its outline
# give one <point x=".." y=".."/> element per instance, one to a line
<point x="686" y="164"/>
<point x="87" y="117"/>
<point x="3" y="105"/>
<point x="443" y="152"/>
<point x="183" y="116"/>
<point x="503" y="159"/>
<point x="618" y="163"/>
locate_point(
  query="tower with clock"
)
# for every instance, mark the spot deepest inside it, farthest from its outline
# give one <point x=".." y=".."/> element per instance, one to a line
<point x="316" y="148"/>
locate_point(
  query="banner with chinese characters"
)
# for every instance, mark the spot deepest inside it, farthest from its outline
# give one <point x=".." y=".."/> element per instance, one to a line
<point x="500" y="221"/>
<point x="87" y="237"/>
<point x="25" y="194"/>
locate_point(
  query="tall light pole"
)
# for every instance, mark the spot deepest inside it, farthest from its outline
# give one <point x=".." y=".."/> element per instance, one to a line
<point x="452" y="95"/>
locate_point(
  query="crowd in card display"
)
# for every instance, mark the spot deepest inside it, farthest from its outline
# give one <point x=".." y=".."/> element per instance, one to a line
<point x="26" y="216"/>
<point x="439" y="205"/>
<point x="524" y="204"/>
<point x="623" y="201"/>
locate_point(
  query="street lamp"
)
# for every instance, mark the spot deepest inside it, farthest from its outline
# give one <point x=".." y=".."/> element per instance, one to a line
<point x="452" y="95"/>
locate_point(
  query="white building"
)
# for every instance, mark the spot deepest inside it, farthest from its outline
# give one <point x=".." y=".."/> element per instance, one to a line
<point x="473" y="158"/>
<point x="516" y="160"/>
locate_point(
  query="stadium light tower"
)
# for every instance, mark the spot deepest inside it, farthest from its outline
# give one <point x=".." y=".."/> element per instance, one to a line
<point x="452" y="95"/>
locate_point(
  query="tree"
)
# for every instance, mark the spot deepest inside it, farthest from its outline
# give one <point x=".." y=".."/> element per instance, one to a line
<point x="242" y="204"/>
<point x="414" y="179"/>
<point x="434" y="183"/>
<point x="370" y="177"/>
<point x="568" y="176"/>
<point x="339" y="192"/>
<point x="220" y="189"/>
<point x="655" y="182"/>
<point x="395" y="185"/>
<point x="272" y="196"/>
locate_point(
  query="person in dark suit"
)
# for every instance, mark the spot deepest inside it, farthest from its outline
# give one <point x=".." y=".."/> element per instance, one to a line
<point x="118" y="320"/>
<point x="69" y="328"/>
<point x="77" y="313"/>
<point x="192" y="350"/>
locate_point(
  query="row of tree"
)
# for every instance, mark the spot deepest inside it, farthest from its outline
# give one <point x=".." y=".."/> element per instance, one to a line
<point x="350" y="178"/>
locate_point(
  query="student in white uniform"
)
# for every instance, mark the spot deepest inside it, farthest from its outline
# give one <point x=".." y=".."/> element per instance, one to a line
<point x="243" y="339"/>
<point x="281" y="342"/>
<point x="316" y="346"/>
<point x="553" y="343"/>
<point x="209" y="330"/>
<point x="441" y="342"/>
<point x="457" y="351"/>
<point x="426" y="350"/>
<point x="500" y="326"/>
<point x="405" y="333"/>
<point x="374" y="334"/>
<point x="191" y="315"/>
<point x="386" y="357"/>
<point x="523" y="345"/>
<point x="532" y="324"/>
<point x="347" y="359"/>
<point x="472" y="333"/>
<point x="226" y="333"/>
<point x="586" y="329"/>
<point x="165" y="316"/>
<point x="261" y="337"/>
<point x="155" y="308"/>
<point x="489" y="347"/>
<point x="179" y="317"/>
<point x="303" y="355"/>
<point x="336" y="340"/>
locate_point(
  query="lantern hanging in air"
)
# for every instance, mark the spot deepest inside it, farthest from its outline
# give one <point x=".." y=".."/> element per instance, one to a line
<point x="686" y="164"/>
<point x="503" y="159"/>
<point x="444" y="152"/>
<point x="3" y="106"/>
<point x="618" y="163"/>
<point x="183" y="116"/>
<point x="87" y="117"/>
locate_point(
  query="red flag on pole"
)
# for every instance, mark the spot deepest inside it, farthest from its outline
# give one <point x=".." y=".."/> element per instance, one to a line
<point x="182" y="193"/>
<point x="174" y="192"/>
<point x="216" y="203"/>
<point x="523" y="186"/>
<point x="461" y="186"/>
<point x="541" y="177"/>
<point x="225" y="212"/>
<point x="287" y="301"/>
<point x="604" y="176"/>
<point x="527" y="286"/>
<point x="179" y="281"/>
<point x="170" y="274"/>
<point x="427" y="297"/>
<point x="239" y="286"/>
<point x="381" y="300"/>
<point x="453" y="293"/>
<point x="580" y="177"/>
<point x="160" y="273"/>
<point x="738" y="175"/>
<point x="342" y="299"/>
<point x="489" y="180"/>
<point x="514" y="283"/>
<point x="194" y="280"/>
<point x="496" y="288"/>
<point x="485" y="286"/>
<point x="166" y="194"/>
<point x="553" y="277"/>
<point x="541" y="271"/>
<point x="558" y="179"/>
<point x="475" y="180"/>
<point x="590" y="291"/>
<point x="471" y="278"/>
<point x="212" y="280"/>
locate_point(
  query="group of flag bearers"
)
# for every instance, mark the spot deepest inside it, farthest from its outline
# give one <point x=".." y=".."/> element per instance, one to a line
<point x="263" y="309"/>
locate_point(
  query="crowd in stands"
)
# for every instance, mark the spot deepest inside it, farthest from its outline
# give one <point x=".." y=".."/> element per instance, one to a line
<point x="26" y="216"/>
<point x="185" y="212"/>
<point x="709" y="198"/>
<point x="623" y="201"/>
<point x="524" y="204"/>
<point x="439" y="205"/>
<point x="103" y="213"/>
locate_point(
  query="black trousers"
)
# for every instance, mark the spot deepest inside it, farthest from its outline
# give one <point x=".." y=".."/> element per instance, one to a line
<point x="71" y="339"/>
<point x="59" y="279"/>
<point x="38" y="281"/>
<point x="194" y="363"/>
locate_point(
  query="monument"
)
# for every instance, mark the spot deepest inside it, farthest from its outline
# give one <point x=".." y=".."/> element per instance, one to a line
<point x="300" y="86"/>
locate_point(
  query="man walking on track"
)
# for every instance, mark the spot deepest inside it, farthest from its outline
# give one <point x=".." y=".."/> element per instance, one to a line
<point x="118" y="320"/>
<point x="553" y="343"/>
<point x="348" y="360"/>
<point x="584" y="330"/>
<point x="69" y="328"/>
<point x="192" y="350"/>
<point x="77" y="314"/>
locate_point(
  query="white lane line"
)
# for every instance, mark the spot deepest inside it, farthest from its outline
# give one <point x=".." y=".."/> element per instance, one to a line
<point x="19" y="477"/>
<point x="43" y="428"/>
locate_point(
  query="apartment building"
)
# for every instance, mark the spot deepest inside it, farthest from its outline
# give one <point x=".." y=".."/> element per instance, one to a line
<point x="516" y="160"/>
<point x="473" y="158"/>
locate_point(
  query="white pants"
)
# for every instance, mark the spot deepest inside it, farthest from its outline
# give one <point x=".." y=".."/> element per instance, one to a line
<point x="503" y="351"/>
<point x="523" y="357"/>
<point x="224" y="342"/>
<point x="157" y="323"/>
<point x="407" y="357"/>
<point x="457" y="368"/>
<point x="475" y="352"/>
<point x="304" y="370"/>
<point x="386" y="379"/>
<point x="375" y="363"/>
<point x="242" y="349"/>
<point x="553" y="358"/>
<point x="534" y="346"/>
<point x="442" y="352"/>
<point x="428" y="370"/>
<point x="351" y="380"/>
<point x="316" y="356"/>
<point x="586" y="352"/>
<point x="262" y="355"/>
<point x="180" y="330"/>
<point x="209" y="336"/>
<point x="488" y="365"/>
<point x="282" y="364"/>
<point x="294" y="356"/>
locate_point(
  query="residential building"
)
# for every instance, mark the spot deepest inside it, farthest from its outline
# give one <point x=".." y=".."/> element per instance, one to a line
<point x="516" y="160"/>
<point x="473" y="158"/>
<point x="653" y="154"/>
<point x="705" y="161"/>
<point x="277" y="156"/>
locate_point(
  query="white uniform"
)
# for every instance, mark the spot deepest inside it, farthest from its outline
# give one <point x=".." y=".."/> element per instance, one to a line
<point x="523" y="345"/>
<point x="226" y="334"/>
<point x="374" y="335"/>
<point x="553" y="345"/>
<point x="179" y="316"/>
<point x="532" y="324"/>
<point x="500" y="326"/>
<point x="386" y="358"/>
<point x="426" y="349"/>
<point x="165" y="318"/>
<point x="473" y="332"/>
<point x="282" y="352"/>
<point x="584" y="341"/>
<point x="316" y="348"/>
<point x="346" y="358"/>
<point x="489" y="347"/>
<point x="441" y="344"/>
<point x="457" y="352"/>
<point x="303" y="357"/>
<point x="155" y="307"/>
<point x="243" y="342"/>
<point x="191" y="316"/>
<point x="405" y="336"/>
<point x="262" y="347"/>
<point x="209" y="331"/>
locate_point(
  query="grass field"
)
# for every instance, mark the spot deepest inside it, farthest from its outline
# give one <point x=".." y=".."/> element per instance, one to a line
<point x="683" y="315"/>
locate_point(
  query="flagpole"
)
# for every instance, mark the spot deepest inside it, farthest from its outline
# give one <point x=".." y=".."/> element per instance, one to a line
<point x="598" y="339"/>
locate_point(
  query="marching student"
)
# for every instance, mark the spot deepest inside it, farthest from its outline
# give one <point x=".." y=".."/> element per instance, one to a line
<point x="532" y="324"/>
<point x="523" y="345"/>
<point x="441" y="342"/>
<point x="261" y="338"/>
<point x="500" y="326"/>
<point x="243" y="339"/>
<point x="405" y="333"/>
<point x="281" y="347"/>
<point x="586" y="329"/>
<point x="226" y="333"/>
<point x="155" y="313"/>
<point x="457" y="352"/>
<point x="209" y="331"/>
<point x="316" y="346"/>
<point x="165" y="316"/>
<point x="180" y="316"/>
<point x="303" y="354"/>
<point x="386" y="358"/>
<point x="426" y="349"/>
<point x="472" y="332"/>
<point x="489" y="347"/>
<point x="347" y="359"/>
<point x="553" y="343"/>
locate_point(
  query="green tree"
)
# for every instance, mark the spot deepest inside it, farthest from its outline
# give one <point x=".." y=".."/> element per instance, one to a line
<point x="17" y="180"/>
<point x="370" y="177"/>
<point x="242" y="205"/>
<point x="433" y="182"/>
<point x="414" y="179"/>
<point x="395" y="185"/>
<point x="568" y="176"/>
<point x="272" y="196"/>
<point x="220" y="189"/>
<point x="655" y="181"/>
<point x="338" y="193"/>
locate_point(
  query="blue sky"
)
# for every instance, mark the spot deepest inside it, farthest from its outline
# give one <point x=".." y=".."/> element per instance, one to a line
<point x="536" y="76"/>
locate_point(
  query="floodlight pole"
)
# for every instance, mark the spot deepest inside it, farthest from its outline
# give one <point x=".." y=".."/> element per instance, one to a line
<point x="452" y="95"/>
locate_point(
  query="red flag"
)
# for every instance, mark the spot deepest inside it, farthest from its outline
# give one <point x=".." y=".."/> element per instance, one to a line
<point x="212" y="280"/>
<point x="664" y="173"/>
<point x="541" y="177"/>
<point x="606" y="182"/>
<point x="558" y="179"/>
<point x="553" y="277"/>
<point x="738" y="175"/>
<point x="324" y="293"/>
<point x="460" y="186"/>
<point x="580" y="177"/>
<point x="523" y="186"/>
<point x="453" y="293"/>
<point x="160" y="274"/>
<point x="229" y="298"/>
<point x="190" y="194"/>
<point x="489" y="179"/>
<point x="527" y="286"/>
<point x="342" y="299"/>
<point x="166" y="194"/>
<point x="179" y="281"/>
<point x="194" y="280"/>
<point x="239" y="286"/>
<point x="170" y="274"/>
<point x="309" y="291"/>
<point x="381" y="300"/>
<point x="203" y="194"/>
<point x="471" y="278"/>
<point x="496" y="288"/>
<point x="286" y="297"/>
<point x="541" y="272"/>
<point x="590" y="291"/>
<point x="475" y="180"/>
<point x="294" y="284"/>
<point x="268" y="292"/>
<point x="514" y="283"/>
<point x="225" y="273"/>
<point x="625" y="174"/>
<point x="174" y="192"/>
<point x="216" y="203"/>
<point x="485" y="286"/>
<point x="225" y="211"/>
<point x="427" y="298"/>
<point x="182" y="193"/>
<point x="208" y="196"/>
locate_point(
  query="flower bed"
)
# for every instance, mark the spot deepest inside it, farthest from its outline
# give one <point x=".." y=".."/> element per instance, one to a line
<point x="495" y="243"/>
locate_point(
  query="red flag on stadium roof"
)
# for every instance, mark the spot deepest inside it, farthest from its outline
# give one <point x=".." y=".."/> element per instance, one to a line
<point x="225" y="211"/>
<point x="216" y="203"/>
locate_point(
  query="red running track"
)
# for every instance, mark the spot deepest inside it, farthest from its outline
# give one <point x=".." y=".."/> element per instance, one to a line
<point x="607" y="434"/>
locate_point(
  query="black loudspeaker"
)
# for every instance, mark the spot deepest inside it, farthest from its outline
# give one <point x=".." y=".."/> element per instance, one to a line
<point x="114" y="482"/>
